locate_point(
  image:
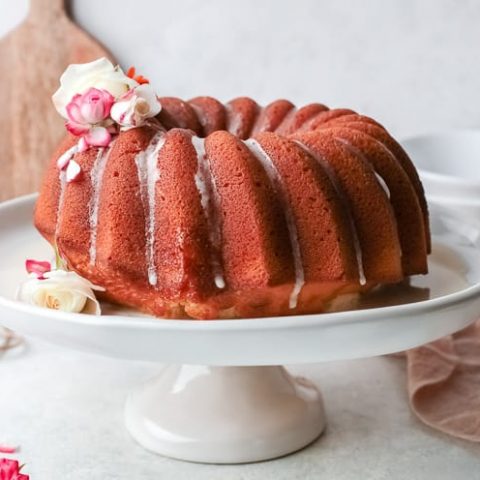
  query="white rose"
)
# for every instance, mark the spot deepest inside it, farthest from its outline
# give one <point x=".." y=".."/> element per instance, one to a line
<point x="78" y="78"/>
<point x="134" y="107"/>
<point x="60" y="290"/>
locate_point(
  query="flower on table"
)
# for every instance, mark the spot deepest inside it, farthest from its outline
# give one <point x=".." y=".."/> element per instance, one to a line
<point x="4" y="448"/>
<point x="11" y="470"/>
<point x="58" y="289"/>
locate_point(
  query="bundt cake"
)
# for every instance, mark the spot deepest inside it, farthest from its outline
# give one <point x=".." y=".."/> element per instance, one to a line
<point x="226" y="211"/>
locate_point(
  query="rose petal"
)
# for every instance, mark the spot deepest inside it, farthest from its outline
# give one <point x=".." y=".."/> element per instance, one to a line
<point x="78" y="78"/>
<point x="92" y="112"/>
<point x="122" y="112"/>
<point x="142" y="107"/>
<point x="63" y="160"/>
<point x="70" y="77"/>
<point x="7" y="449"/>
<point x="133" y="108"/>
<point x="37" y="267"/>
<point x="82" y="145"/>
<point x="127" y="96"/>
<point x="92" y="306"/>
<point x="62" y="290"/>
<point x="73" y="171"/>
<point x="95" y="105"/>
<point x="108" y="100"/>
<point x="74" y="113"/>
<point x="76" y="128"/>
<point x="98" y="137"/>
<point x="146" y="91"/>
<point x="72" y="280"/>
<point x="9" y="468"/>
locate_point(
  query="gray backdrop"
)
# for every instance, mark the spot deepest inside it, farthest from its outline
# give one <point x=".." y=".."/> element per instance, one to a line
<point x="414" y="65"/>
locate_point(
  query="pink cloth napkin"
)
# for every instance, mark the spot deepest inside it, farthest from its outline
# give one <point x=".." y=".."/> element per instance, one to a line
<point x="444" y="383"/>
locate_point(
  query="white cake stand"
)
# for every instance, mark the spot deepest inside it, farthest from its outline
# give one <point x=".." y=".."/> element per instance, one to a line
<point x="225" y="399"/>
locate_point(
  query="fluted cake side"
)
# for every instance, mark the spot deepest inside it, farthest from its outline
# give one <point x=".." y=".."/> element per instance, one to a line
<point x="227" y="211"/>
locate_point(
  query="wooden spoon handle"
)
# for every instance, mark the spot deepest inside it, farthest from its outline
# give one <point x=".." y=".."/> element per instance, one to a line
<point x="46" y="9"/>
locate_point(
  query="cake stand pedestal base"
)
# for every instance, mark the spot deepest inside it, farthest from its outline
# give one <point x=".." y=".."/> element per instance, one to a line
<point x="225" y="414"/>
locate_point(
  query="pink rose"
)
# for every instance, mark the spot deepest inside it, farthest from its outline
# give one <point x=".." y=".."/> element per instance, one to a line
<point x="101" y="74"/>
<point x="87" y="116"/>
<point x="135" y="107"/>
<point x="87" y="109"/>
<point x="10" y="470"/>
<point x="38" y="268"/>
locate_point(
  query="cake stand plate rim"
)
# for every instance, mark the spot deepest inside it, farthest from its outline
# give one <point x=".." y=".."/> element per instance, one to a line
<point x="29" y="319"/>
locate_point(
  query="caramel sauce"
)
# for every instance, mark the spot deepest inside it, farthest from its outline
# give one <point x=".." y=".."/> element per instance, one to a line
<point x="446" y="275"/>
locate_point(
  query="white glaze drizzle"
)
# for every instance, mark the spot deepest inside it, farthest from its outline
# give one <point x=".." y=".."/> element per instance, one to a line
<point x="276" y="180"/>
<point x="209" y="200"/>
<point x="200" y="183"/>
<point x="356" y="151"/>
<point x="353" y="149"/>
<point x="148" y="175"/>
<point x="383" y="184"/>
<point x="96" y="177"/>
<point x="62" y="163"/>
<point x="66" y="156"/>
<point x="63" y="183"/>
<point x="336" y="184"/>
<point x="234" y="121"/>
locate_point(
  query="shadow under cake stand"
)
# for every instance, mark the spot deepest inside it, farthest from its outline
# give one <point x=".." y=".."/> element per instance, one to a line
<point x="225" y="398"/>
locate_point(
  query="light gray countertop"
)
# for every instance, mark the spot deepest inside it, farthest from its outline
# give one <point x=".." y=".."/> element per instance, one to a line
<point x="65" y="410"/>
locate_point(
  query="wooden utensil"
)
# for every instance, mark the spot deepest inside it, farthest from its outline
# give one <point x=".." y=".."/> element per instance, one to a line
<point x="33" y="56"/>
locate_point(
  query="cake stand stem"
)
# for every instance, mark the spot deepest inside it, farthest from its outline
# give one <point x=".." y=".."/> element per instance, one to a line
<point x="225" y="414"/>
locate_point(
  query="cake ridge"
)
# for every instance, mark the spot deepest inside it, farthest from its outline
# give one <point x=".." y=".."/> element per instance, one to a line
<point x="341" y="194"/>
<point x="286" y="120"/>
<point x="63" y="184"/>
<point x="373" y="213"/>
<point x="400" y="192"/>
<point x="96" y="177"/>
<point x="148" y="175"/>
<point x="62" y="161"/>
<point x="379" y="133"/>
<point x="270" y="117"/>
<point x="276" y="181"/>
<point x="356" y="151"/>
<point x="205" y="184"/>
